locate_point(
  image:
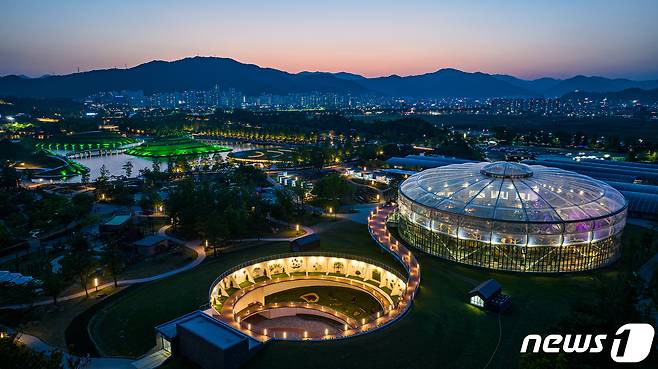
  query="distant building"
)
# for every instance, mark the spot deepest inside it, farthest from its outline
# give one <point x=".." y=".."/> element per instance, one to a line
<point x="488" y="296"/>
<point x="151" y="245"/>
<point x="116" y="224"/>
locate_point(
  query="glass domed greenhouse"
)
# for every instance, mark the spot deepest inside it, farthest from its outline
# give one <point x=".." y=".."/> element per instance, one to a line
<point x="512" y="216"/>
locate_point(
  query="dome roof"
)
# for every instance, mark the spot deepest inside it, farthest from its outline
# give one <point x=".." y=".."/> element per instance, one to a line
<point x="513" y="192"/>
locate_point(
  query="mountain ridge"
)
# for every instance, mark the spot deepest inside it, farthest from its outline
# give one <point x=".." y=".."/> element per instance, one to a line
<point x="202" y="73"/>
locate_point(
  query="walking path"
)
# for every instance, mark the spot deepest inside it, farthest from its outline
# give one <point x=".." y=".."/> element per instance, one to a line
<point x="379" y="232"/>
<point x="194" y="245"/>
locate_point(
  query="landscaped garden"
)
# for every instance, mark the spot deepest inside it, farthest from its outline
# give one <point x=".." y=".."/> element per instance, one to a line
<point x="272" y="156"/>
<point x="441" y="324"/>
<point x="47" y="165"/>
<point x="39" y="162"/>
<point x="174" y="145"/>
<point x="353" y="303"/>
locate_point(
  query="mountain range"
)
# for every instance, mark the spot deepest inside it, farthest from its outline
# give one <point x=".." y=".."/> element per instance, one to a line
<point x="202" y="73"/>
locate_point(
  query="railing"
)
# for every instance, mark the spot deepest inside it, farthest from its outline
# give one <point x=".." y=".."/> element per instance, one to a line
<point x="306" y="253"/>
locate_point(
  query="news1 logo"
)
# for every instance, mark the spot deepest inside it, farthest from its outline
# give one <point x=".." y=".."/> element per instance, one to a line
<point x="631" y="343"/>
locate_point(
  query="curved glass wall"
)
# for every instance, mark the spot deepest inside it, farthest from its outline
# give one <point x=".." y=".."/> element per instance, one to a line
<point x="512" y="216"/>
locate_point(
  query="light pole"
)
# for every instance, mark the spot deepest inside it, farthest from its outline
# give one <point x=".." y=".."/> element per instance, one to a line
<point x="297" y="228"/>
<point x="331" y="212"/>
<point x="96" y="284"/>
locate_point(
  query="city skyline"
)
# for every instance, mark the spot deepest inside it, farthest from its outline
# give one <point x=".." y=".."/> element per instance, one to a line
<point x="559" y="39"/>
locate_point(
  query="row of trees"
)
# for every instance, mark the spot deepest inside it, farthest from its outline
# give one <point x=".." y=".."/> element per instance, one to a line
<point x="227" y="208"/>
<point x="16" y="355"/>
<point x="23" y="211"/>
<point x="81" y="264"/>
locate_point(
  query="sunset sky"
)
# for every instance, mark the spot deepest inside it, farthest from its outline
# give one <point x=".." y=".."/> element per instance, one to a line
<point x="557" y="38"/>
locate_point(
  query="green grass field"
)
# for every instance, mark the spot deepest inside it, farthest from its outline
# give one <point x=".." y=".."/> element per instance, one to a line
<point x="126" y="326"/>
<point x="440" y="330"/>
<point x="86" y="141"/>
<point x="163" y="147"/>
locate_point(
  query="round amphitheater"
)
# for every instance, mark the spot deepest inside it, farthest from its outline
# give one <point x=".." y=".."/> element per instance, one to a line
<point x="309" y="296"/>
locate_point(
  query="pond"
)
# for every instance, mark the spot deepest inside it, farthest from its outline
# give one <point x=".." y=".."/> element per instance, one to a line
<point x="114" y="162"/>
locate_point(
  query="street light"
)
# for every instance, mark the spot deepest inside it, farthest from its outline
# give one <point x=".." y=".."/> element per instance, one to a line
<point x="297" y="228"/>
<point x="96" y="284"/>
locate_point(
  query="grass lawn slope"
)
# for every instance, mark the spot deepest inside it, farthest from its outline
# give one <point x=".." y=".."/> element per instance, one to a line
<point x="441" y="330"/>
<point x="170" y="146"/>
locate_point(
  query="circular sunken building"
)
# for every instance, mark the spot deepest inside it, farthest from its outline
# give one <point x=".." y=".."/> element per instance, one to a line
<point x="512" y="216"/>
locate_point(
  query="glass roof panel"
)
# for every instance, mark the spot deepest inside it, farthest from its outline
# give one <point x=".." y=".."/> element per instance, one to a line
<point x="512" y="192"/>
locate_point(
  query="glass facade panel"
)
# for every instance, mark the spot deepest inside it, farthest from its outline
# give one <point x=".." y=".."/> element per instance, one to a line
<point x="511" y="216"/>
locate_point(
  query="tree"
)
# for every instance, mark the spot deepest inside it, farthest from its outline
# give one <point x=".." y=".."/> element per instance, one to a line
<point x="104" y="174"/>
<point x="79" y="262"/>
<point x="284" y="206"/>
<point x="156" y="166"/>
<point x="53" y="284"/>
<point x="333" y="190"/>
<point x="111" y="259"/>
<point x="16" y="355"/>
<point x="102" y="179"/>
<point x="8" y="177"/>
<point x="316" y="158"/>
<point x="128" y="168"/>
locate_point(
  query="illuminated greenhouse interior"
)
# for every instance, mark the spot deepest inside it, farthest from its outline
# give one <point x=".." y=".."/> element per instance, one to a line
<point x="512" y="216"/>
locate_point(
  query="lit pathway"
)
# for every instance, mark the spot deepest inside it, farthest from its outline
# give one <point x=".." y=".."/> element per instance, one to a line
<point x="381" y="235"/>
<point x="379" y="232"/>
<point x="194" y="245"/>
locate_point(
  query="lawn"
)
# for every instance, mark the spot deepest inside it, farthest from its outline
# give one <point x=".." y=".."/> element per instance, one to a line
<point x="49" y="322"/>
<point x="125" y="327"/>
<point x="170" y="146"/>
<point x="440" y="330"/>
<point x="86" y="140"/>
<point x="353" y="303"/>
<point x="159" y="263"/>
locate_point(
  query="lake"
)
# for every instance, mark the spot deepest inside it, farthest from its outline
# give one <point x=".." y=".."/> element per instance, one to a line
<point x="114" y="162"/>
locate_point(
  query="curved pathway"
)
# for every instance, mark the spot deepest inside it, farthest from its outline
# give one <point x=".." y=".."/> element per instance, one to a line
<point x="379" y="232"/>
<point x="193" y="245"/>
